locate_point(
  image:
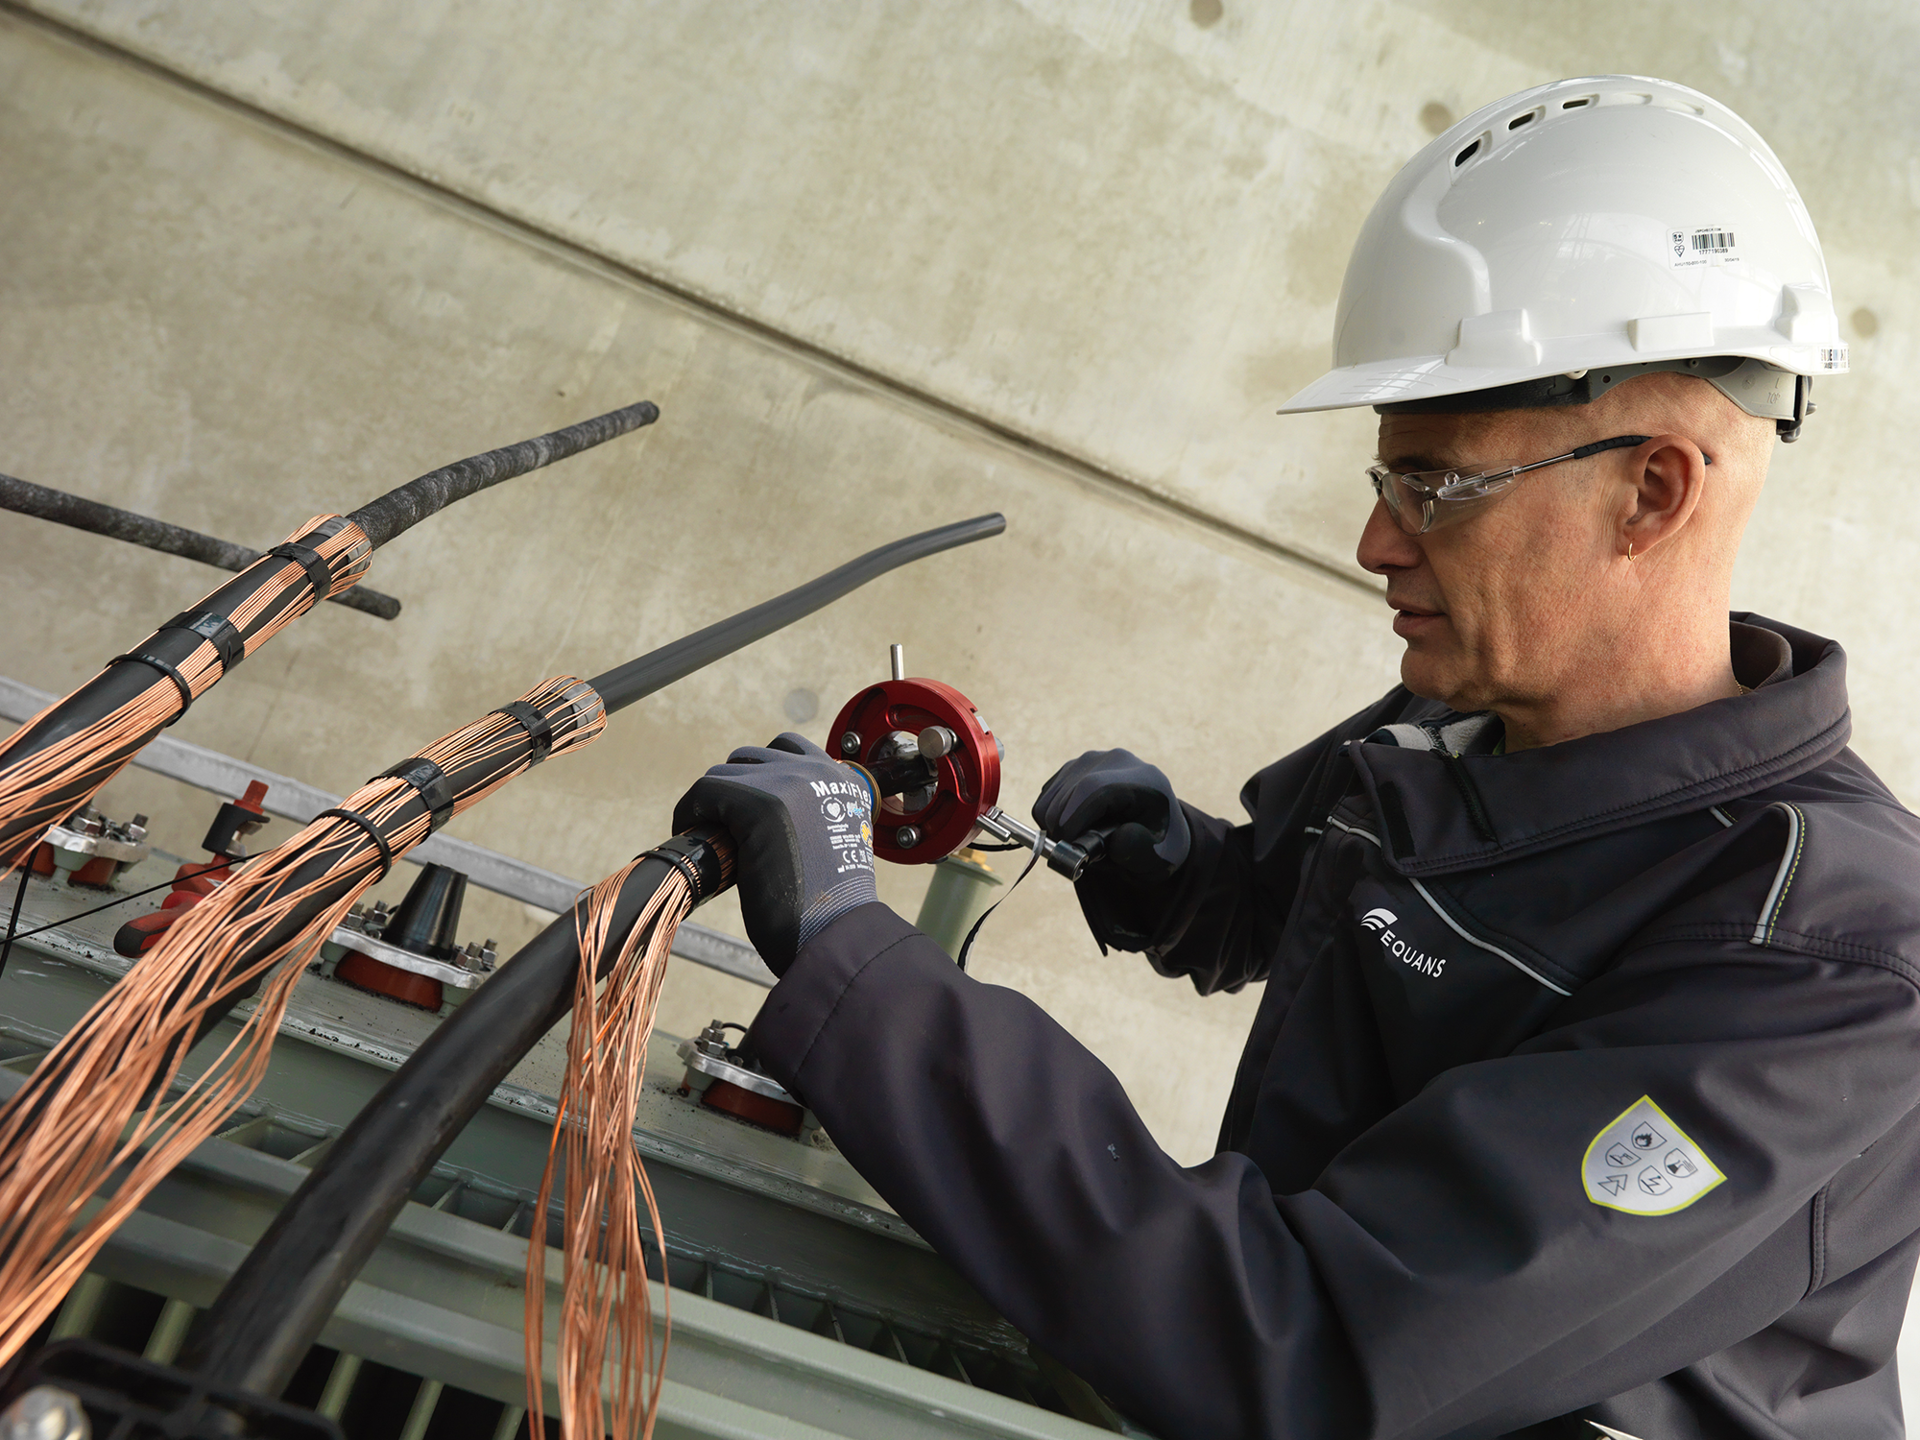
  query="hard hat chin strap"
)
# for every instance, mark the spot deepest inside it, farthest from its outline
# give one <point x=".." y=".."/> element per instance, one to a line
<point x="1754" y="385"/>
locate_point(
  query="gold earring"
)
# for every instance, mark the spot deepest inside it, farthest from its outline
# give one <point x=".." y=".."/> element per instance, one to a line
<point x="1629" y="552"/>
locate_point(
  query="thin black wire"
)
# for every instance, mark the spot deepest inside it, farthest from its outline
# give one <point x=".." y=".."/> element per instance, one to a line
<point x="117" y="900"/>
<point x="1010" y="845"/>
<point x="19" y="895"/>
<point x="966" y="946"/>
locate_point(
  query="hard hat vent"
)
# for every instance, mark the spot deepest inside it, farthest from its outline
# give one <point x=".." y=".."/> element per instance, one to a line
<point x="1467" y="154"/>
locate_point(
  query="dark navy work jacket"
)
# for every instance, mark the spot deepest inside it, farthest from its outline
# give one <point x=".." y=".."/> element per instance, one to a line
<point x="1582" y="1090"/>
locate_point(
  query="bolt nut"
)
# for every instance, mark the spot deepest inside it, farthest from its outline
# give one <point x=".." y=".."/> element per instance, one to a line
<point x="907" y="836"/>
<point x="45" y="1413"/>
<point x="850" y="744"/>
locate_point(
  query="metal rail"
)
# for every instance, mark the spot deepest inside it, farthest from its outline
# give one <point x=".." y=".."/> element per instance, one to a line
<point x="293" y="799"/>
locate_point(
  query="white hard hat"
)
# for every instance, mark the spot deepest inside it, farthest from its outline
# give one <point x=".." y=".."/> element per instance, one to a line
<point x="1558" y="242"/>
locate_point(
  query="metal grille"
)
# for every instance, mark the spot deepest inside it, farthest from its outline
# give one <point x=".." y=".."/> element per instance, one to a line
<point x="372" y="1401"/>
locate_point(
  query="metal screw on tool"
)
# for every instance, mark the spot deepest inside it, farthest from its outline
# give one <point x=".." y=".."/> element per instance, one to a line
<point x="897" y="658"/>
<point x="907" y="836"/>
<point x="936" y="741"/>
<point x="45" y="1413"/>
<point x="850" y="744"/>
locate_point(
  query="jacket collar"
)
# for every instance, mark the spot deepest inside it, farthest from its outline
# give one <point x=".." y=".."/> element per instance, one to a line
<point x="1446" y="812"/>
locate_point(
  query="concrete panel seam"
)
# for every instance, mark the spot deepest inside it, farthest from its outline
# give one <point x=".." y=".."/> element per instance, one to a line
<point x="703" y="306"/>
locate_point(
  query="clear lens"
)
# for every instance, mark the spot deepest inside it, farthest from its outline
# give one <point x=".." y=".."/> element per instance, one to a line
<point x="1428" y="499"/>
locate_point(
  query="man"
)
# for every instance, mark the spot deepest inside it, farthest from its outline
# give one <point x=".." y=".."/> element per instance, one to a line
<point x="1581" y="1098"/>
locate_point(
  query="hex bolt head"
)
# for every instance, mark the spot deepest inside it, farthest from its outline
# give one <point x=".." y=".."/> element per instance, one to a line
<point x="850" y="744"/>
<point x="45" y="1413"/>
<point x="907" y="836"/>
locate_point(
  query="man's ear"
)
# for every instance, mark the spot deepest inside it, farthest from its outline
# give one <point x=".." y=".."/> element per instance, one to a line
<point x="1667" y="475"/>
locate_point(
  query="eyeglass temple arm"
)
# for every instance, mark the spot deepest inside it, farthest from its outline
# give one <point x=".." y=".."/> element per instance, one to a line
<point x="1618" y="442"/>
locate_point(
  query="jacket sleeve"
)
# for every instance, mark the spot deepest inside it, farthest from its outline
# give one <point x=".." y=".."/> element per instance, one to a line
<point x="1219" y="921"/>
<point x="1446" y="1274"/>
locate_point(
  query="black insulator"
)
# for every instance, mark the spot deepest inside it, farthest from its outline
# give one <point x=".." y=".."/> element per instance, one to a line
<point x="426" y="921"/>
<point x="236" y="820"/>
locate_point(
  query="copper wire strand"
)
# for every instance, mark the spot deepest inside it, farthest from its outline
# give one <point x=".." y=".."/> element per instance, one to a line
<point x="101" y="1103"/>
<point x="49" y="784"/>
<point x="606" y="1311"/>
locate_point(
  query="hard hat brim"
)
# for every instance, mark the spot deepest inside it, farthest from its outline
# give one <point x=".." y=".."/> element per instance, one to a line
<point x="1430" y="377"/>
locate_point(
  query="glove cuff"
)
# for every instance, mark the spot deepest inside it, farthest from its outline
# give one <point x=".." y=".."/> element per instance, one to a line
<point x="850" y="894"/>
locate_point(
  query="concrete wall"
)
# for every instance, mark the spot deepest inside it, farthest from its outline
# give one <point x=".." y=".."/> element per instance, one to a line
<point x="882" y="266"/>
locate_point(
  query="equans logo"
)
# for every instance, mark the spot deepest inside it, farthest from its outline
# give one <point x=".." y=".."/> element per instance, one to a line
<point x="1381" y="922"/>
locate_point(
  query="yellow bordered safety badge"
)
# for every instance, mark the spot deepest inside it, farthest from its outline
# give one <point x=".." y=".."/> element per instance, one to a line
<point x="1645" y="1164"/>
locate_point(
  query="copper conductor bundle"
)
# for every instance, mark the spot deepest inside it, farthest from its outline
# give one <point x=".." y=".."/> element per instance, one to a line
<point x="100" y="1100"/>
<point x="58" y="759"/>
<point x="254" y="1335"/>
<point x="56" y="762"/>
<point x="606" y="1312"/>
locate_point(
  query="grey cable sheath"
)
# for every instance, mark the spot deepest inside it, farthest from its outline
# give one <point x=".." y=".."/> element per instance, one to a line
<point x="639" y="678"/>
<point x="25" y="498"/>
<point x="400" y="510"/>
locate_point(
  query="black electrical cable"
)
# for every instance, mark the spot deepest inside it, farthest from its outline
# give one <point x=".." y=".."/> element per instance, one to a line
<point x="258" y="1330"/>
<point x="25" y="498"/>
<point x="118" y="686"/>
<point x="400" y="510"/>
<point x="260" y="1327"/>
<point x="638" y="679"/>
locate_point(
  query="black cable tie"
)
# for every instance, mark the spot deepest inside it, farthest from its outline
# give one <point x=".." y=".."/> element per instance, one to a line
<point x="179" y="680"/>
<point x="432" y="783"/>
<point x="694" y="858"/>
<point x="217" y="628"/>
<point x="386" y="850"/>
<point x="679" y="862"/>
<point x="319" y="573"/>
<point x="538" y="727"/>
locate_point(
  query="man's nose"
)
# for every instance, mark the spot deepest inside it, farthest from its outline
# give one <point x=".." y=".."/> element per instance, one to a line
<point x="1384" y="545"/>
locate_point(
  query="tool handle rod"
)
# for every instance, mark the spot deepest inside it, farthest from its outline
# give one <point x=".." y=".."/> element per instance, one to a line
<point x="43" y="503"/>
<point x="639" y="678"/>
<point x="1063" y="857"/>
<point x="399" y="510"/>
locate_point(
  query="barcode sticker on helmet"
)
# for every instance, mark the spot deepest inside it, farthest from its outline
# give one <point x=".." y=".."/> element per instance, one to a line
<point x="1708" y="245"/>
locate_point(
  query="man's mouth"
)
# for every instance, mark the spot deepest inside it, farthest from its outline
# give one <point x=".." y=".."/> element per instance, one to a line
<point x="1410" y="620"/>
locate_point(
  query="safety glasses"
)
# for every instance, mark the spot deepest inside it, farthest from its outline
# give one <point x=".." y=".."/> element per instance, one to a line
<point x="1424" y="500"/>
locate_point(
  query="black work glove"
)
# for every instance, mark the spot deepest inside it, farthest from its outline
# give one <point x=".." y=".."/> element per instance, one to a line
<point x="1117" y="791"/>
<point x="802" y="830"/>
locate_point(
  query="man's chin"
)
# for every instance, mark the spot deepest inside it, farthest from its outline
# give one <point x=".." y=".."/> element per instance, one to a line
<point x="1431" y="677"/>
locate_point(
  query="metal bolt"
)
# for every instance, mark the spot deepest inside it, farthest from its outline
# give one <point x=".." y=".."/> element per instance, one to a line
<point x="45" y="1413"/>
<point x="850" y="744"/>
<point x="936" y="741"/>
<point x="907" y="836"/>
